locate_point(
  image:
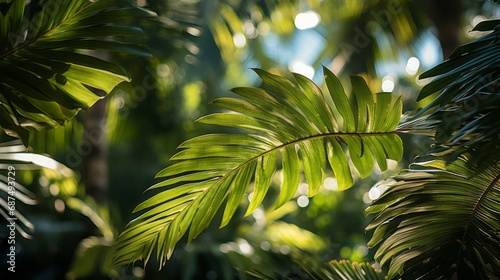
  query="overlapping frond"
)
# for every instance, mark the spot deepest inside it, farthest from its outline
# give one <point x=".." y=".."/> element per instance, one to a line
<point x="292" y="126"/>
<point x="343" y="269"/>
<point x="12" y="192"/>
<point x="13" y="161"/>
<point x="47" y="69"/>
<point x="466" y="108"/>
<point x="440" y="221"/>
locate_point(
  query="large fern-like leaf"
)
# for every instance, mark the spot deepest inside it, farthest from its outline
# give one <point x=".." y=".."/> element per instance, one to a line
<point x="309" y="268"/>
<point x="291" y="124"/>
<point x="343" y="269"/>
<point x="46" y="69"/>
<point x="440" y="221"/>
<point x="12" y="192"/>
<point x="466" y="110"/>
<point x="13" y="160"/>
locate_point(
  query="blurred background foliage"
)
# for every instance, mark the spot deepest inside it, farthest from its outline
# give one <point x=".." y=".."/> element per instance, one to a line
<point x="200" y="49"/>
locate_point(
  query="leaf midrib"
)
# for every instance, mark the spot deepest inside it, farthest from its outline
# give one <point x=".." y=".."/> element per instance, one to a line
<point x="307" y="138"/>
<point x="473" y="213"/>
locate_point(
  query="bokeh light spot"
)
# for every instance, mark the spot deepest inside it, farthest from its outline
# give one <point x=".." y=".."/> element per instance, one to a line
<point x="306" y="20"/>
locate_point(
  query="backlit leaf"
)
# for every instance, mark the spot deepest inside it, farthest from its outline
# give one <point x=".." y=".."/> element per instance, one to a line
<point x="291" y="126"/>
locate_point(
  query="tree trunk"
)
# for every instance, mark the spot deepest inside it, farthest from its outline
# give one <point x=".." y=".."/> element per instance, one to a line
<point x="95" y="163"/>
<point x="446" y="16"/>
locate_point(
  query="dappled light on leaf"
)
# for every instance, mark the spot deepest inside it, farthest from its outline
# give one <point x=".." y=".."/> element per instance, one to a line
<point x="439" y="219"/>
<point x="49" y="67"/>
<point x="291" y="126"/>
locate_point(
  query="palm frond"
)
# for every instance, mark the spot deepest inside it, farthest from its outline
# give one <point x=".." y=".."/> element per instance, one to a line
<point x="47" y="69"/>
<point x="290" y="123"/>
<point x="466" y="108"/>
<point x="13" y="160"/>
<point x="343" y="269"/>
<point x="439" y="221"/>
<point x="58" y="180"/>
<point x="12" y="192"/>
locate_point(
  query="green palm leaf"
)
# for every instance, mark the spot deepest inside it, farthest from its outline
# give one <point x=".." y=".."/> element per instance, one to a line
<point x="13" y="161"/>
<point x="343" y="269"/>
<point x="291" y="124"/>
<point x="47" y="71"/>
<point x="466" y="108"/>
<point x="440" y="221"/>
<point x="12" y="192"/>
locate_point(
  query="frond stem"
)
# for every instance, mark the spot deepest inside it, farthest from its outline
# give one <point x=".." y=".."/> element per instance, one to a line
<point x="321" y="136"/>
<point x="473" y="213"/>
